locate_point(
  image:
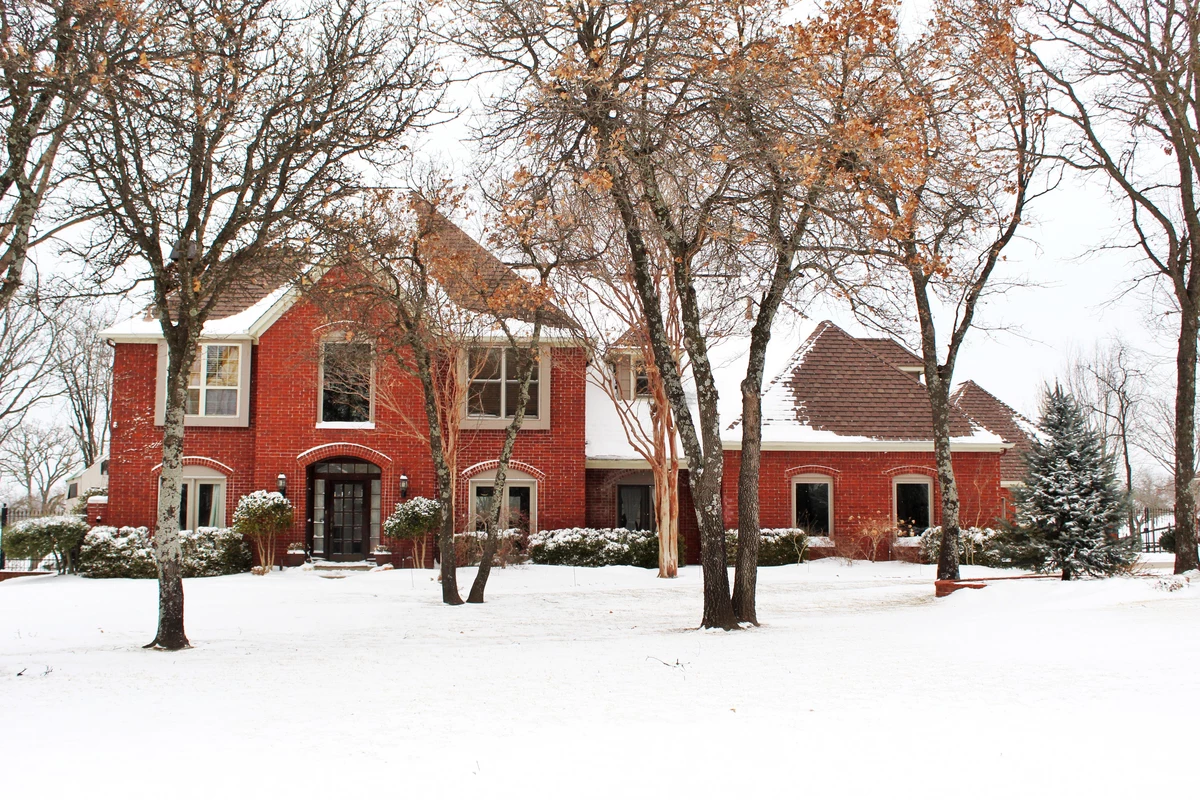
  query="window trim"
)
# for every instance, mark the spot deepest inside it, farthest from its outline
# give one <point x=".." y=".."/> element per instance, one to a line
<point x="239" y="420"/>
<point x="539" y="423"/>
<point x="913" y="478"/>
<point x="514" y="479"/>
<point x="193" y="475"/>
<point x="812" y="477"/>
<point x="625" y="377"/>
<point x="336" y="337"/>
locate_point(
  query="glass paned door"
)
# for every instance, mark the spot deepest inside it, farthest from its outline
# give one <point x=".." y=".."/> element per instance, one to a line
<point x="346" y="518"/>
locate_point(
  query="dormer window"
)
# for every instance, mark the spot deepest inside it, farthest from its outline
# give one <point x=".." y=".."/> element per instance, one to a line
<point x="630" y="377"/>
<point x="213" y="383"/>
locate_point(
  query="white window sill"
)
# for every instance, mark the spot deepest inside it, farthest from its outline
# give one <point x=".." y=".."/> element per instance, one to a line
<point x="362" y="426"/>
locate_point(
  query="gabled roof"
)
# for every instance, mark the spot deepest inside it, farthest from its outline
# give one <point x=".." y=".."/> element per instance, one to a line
<point x="999" y="418"/>
<point x="837" y="390"/>
<point x="250" y="306"/>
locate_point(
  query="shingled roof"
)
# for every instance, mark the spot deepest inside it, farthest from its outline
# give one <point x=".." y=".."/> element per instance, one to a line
<point x="893" y="352"/>
<point x="993" y="414"/>
<point x="836" y="387"/>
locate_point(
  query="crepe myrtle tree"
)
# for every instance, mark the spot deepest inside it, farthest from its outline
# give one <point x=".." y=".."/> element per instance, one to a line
<point x="217" y="161"/>
<point x="261" y="516"/>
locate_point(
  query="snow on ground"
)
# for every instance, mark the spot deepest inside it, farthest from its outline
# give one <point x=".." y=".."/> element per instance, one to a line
<point x="595" y="683"/>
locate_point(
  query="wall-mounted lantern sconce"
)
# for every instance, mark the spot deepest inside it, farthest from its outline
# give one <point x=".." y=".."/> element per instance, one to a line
<point x="403" y="486"/>
<point x="281" y="484"/>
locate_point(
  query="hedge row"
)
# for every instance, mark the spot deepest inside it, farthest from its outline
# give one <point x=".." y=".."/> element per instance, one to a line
<point x="776" y="546"/>
<point x="109" y="552"/>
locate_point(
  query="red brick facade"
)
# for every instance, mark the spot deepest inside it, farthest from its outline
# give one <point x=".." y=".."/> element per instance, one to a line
<point x="283" y="438"/>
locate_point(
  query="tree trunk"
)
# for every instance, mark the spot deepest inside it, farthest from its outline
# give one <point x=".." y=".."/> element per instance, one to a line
<point x="167" y="549"/>
<point x="668" y="547"/>
<point x="1185" y="440"/>
<point x="948" y="555"/>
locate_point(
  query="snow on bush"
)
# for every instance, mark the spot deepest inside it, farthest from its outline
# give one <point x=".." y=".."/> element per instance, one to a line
<point x="776" y="546"/>
<point x="595" y="547"/>
<point x="979" y="546"/>
<point x="109" y="552"/>
<point x="43" y="536"/>
<point x="261" y="516"/>
<point x="512" y="547"/>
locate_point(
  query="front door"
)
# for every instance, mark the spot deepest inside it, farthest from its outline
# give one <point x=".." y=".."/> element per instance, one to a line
<point x="348" y="512"/>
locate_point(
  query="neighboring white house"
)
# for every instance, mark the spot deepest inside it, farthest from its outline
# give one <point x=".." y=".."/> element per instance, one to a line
<point x="93" y="477"/>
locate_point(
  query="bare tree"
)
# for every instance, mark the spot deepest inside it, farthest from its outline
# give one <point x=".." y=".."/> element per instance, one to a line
<point x="220" y="157"/>
<point x="1128" y="89"/>
<point x="28" y="341"/>
<point x="1108" y="385"/>
<point x="39" y="457"/>
<point x="49" y="52"/>
<point x="959" y="127"/>
<point x="83" y="369"/>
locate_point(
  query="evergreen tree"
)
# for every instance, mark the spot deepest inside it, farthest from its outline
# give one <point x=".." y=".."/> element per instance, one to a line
<point x="1070" y="510"/>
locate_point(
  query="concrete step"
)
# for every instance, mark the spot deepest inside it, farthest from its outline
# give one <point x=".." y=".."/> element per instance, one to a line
<point x="343" y="566"/>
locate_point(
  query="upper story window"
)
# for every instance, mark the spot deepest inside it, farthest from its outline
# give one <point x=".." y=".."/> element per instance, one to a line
<point x="214" y="381"/>
<point x="494" y="386"/>
<point x="346" y="386"/>
<point x="629" y="375"/>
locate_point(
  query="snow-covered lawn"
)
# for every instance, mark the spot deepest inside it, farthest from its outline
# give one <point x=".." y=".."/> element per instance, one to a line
<point x="594" y="683"/>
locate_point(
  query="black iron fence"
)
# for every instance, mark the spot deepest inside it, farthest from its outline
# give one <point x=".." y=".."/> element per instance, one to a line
<point x="1153" y="523"/>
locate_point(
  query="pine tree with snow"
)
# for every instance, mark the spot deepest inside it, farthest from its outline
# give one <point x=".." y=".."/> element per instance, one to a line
<point x="1071" y="507"/>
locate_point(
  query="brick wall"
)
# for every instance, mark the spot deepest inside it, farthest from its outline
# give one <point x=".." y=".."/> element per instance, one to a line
<point x="283" y="416"/>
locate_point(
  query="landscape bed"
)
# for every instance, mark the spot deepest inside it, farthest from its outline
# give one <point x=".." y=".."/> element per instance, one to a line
<point x="575" y="682"/>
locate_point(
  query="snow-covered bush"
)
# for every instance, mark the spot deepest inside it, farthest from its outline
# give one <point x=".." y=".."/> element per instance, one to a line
<point x="595" y="547"/>
<point x="980" y="546"/>
<point x="776" y="546"/>
<point x="413" y="521"/>
<point x="43" y="536"/>
<point x="261" y="516"/>
<point x="109" y="552"/>
<point x="512" y="548"/>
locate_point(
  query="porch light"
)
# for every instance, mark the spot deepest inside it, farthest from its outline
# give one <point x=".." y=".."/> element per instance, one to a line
<point x="281" y="484"/>
<point x="403" y="486"/>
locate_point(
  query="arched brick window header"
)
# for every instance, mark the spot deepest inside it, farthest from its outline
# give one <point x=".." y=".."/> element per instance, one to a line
<point x="911" y="469"/>
<point x="333" y="450"/>
<point x="812" y="469"/>
<point x="200" y="461"/>
<point x="513" y="465"/>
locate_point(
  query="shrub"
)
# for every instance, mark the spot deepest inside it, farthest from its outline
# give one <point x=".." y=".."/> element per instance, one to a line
<point x="513" y="548"/>
<point x="595" y="547"/>
<point x="981" y="546"/>
<point x="1166" y="540"/>
<point x="776" y="546"/>
<point x="81" y="503"/>
<point x="37" y="538"/>
<point x="261" y="516"/>
<point x="413" y="521"/>
<point x="109" y="552"/>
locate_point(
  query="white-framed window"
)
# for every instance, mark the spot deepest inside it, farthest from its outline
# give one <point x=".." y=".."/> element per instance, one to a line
<point x="520" y="510"/>
<point x="215" y="381"/>
<point x="346" y="375"/>
<point x="812" y="504"/>
<point x="494" y="387"/>
<point x="912" y="503"/>
<point x="201" y="499"/>
<point x="630" y="377"/>
<point x="635" y="507"/>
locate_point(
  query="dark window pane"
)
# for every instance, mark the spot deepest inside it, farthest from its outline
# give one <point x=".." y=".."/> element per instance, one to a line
<point x="484" y="364"/>
<point x="912" y="506"/>
<point x="183" y="507"/>
<point x="346" y="394"/>
<point x="483" y="506"/>
<point x="204" y="505"/>
<point x="812" y="508"/>
<point x="483" y="399"/>
<point x="513" y="394"/>
<point x="634" y="508"/>
<point x="520" y="506"/>
<point x="220" y="402"/>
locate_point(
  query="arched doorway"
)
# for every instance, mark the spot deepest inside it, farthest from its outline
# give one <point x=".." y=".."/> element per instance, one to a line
<point x="343" y="499"/>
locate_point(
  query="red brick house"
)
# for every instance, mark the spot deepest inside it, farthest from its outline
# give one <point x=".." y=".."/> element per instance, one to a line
<point x="846" y="434"/>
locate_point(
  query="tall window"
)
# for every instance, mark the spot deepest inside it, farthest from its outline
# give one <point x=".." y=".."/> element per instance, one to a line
<point x="629" y="374"/>
<point x="813" y="504"/>
<point x="519" y="512"/>
<point x="913" y="498"/>
<point x="213" y="381"/>
<point x="346" y="367"/>
<point x="635" y="509"/>
<point x="495" y="384"/>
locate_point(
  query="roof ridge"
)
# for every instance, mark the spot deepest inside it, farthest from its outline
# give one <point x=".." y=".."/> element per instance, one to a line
<point x="963" y="386"/>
